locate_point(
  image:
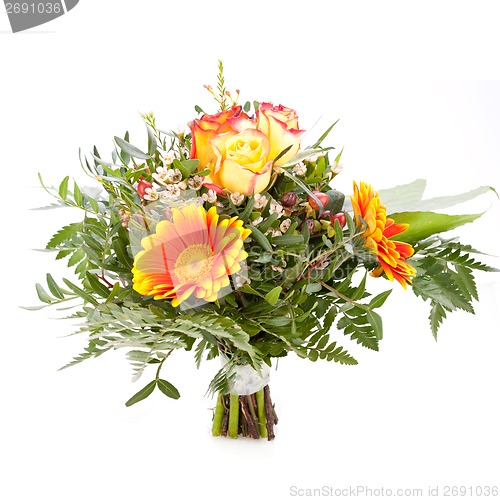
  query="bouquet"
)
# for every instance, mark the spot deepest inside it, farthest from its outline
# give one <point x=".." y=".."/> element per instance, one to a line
<point x="230" y="240"/>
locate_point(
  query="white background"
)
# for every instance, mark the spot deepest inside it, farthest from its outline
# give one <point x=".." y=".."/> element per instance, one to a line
<point x="413" y="85"/>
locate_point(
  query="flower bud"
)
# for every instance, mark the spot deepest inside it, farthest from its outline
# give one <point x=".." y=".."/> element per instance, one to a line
<point x="289" y="199"/>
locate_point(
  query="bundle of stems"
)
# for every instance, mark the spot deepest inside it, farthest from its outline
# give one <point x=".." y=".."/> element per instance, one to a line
<point x="251" y="416"/>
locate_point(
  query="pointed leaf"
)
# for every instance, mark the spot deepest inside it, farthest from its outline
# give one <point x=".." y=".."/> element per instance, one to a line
<point x="168" y="389"/>
<point x="142" y="394"/>
<point x="130" y="149"/>
<point x="273" y="296"/>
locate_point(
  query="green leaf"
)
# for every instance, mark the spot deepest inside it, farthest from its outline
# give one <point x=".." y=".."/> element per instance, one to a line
<point x="190" y="165"/>
<point x="54" y="287"/>
<point x="142" y="394"/>
<point x="302" y="155"/>
<point x="376" y="322"/>
<point x="199" y="110"/>
<point x="379" y="299"/>
<point x="42" y="294"/>
<point x="273" y="296"/>
<point x="425" y="224"/>
<point x="260" y="239"/>
<point x="97" y="286"/>
<point x="81" y="293"/>
<point x="63" y="188"/>
<point x="288" y="240"/>
<point x="64" y="234"/>
<point x="183" y="170"/>
<point x="436" y="317"/>
<point x="77" y="195"/>
<point x="130" y="149"/>
<point x="152" y="144"/>
<point x="168" y="389"/>
<point x="324" y="135"/>
<point x="120" y="248"/>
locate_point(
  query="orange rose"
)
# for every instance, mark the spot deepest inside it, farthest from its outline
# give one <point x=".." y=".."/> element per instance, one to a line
<point x="281" y="126"/>
<point x="205" y="129"/>
<point x="239" y="151"/>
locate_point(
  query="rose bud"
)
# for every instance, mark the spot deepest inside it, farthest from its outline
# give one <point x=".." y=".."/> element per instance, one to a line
<point x="289" y="199"/>
<point x="340" y="217"/>
<point x="142" y="186"/>
<point x="322" y="197"/>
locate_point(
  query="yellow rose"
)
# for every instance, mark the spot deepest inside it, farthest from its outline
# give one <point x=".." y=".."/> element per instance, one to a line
<point x="243" y="163"/>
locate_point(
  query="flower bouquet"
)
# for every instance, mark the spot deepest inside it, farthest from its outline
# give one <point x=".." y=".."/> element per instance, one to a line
<point x="231" y="241"/>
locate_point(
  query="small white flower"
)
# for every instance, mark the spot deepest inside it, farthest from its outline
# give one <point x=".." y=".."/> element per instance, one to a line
<point x="237" y="198"/>
<point x="174" y="175"/>
<point x="285" y="225"/>
<point x="211" y="196"/>
<point x="151" y="194"/>
<point x="315" y="157"/>
<point x="182" y="185"/>
<point x="273" y="232"/>
<point x="276" y="207"/>
<point x="260" y="201"/>
<point x="219" y="204"/>
<point x="168" y="157"/>
<point x="300" y="169"/>
<point x="161" y="176"/>
<point x="195" y="182"/>
<point x="171" y="191"/>
<point x="337" y="168"/>
<point x="257" y="221"/>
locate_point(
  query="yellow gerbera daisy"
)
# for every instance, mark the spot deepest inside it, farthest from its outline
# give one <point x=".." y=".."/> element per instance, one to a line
<point x="193" y="254"/>
<point x="391" y="254"/>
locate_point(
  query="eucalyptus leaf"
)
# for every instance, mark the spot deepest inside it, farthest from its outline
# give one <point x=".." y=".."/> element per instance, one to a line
<point x="130" y="149"/>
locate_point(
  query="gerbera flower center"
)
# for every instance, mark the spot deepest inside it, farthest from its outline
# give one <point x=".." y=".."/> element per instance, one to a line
<point x="194" y="263"/>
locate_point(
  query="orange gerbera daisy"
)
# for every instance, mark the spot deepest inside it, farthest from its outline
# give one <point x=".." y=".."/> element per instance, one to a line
<point x="194" y="254"/>
<point x="391" y="254"/>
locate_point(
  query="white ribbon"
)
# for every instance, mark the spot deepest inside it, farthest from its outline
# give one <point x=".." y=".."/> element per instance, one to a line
<point x="247" y="380"/>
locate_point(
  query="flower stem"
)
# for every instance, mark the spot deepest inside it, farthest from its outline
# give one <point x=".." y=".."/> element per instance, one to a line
<point x="219" y="414"/>
<point x="262" y="413"/>
<point x="234" y="410"/>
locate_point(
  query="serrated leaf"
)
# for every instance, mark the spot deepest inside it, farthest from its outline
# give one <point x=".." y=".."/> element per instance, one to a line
<point x="436" y="317"/>
<point x="142" y="394"/>
<point x="168" y="389"/>
<point x="64" y="234"/>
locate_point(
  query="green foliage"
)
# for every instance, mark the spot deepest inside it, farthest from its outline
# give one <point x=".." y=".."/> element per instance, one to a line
<point x="445" y="277"/>
<point x="303" y="296"/>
